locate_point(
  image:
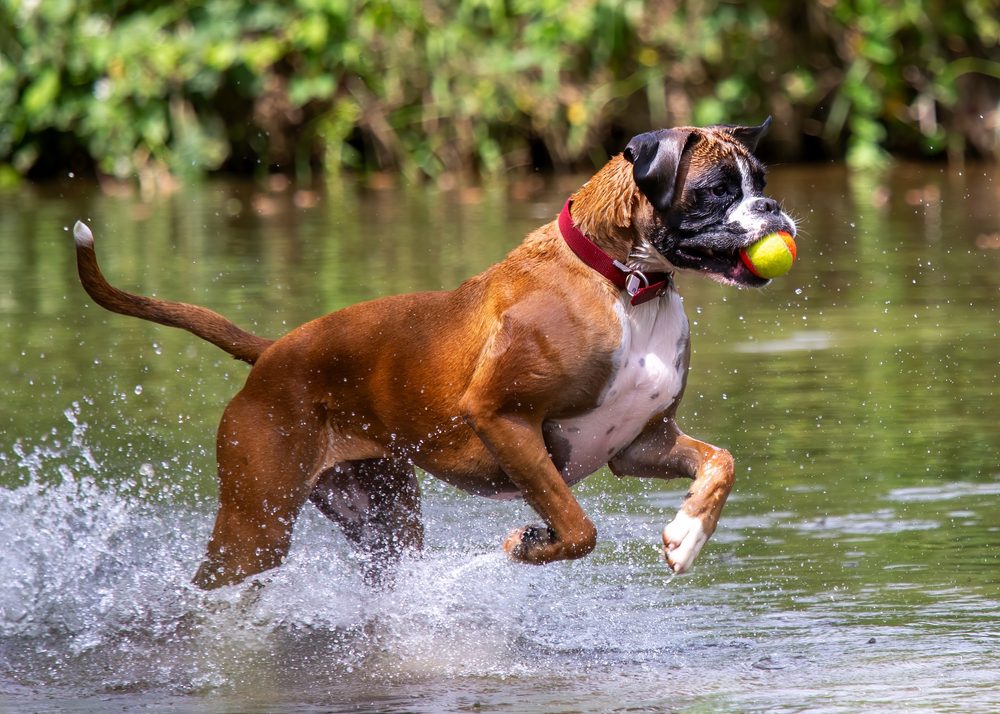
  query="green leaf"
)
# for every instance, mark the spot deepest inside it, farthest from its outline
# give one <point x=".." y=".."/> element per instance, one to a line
<point x="42" y="93"/>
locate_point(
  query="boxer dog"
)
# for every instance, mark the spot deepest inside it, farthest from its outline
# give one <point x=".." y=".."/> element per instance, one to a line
<point x="570" y="354"/>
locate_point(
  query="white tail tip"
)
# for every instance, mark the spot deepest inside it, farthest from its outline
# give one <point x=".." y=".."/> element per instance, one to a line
<point x="82" y="234"/>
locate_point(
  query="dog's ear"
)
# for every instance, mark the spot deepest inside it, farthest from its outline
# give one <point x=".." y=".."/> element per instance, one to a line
<point x="655" y="157"/>
<point x="749" y="136"/>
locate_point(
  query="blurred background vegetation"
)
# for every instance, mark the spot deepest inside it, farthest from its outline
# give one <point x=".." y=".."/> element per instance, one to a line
<point x="134" y="89"/>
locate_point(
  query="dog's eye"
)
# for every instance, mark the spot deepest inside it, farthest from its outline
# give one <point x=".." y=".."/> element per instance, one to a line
<point x="719" y="190"/>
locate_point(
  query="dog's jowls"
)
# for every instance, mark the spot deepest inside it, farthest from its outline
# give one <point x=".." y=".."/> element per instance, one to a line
<point x="518" y="383"/>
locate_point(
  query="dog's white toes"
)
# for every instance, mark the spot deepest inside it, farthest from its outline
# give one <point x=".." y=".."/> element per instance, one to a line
<point x="683" y="539"/>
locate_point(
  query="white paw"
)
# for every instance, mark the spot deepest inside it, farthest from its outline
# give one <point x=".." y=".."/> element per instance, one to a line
<point x="683" y="538"/>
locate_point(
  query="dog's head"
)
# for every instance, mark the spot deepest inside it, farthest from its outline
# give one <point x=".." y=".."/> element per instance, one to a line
<point x="706" y="190"/>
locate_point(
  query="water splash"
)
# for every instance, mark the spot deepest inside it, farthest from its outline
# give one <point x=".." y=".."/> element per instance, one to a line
<point x="96" y="595"/>
<point x="96" y="603"/>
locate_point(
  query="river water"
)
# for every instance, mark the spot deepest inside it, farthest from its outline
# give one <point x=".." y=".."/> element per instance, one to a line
<point x="856" y="567"/>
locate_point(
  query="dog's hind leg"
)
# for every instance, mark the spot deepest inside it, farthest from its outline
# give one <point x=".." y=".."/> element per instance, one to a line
<point x="267" y="454"/>
<point x="376" y="502"/>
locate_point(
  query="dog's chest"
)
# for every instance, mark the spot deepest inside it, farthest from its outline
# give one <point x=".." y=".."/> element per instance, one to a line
<point x="648" y="376"/>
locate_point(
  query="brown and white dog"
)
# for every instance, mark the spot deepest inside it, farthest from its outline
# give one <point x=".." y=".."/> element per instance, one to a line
<point x="518" y="383"/>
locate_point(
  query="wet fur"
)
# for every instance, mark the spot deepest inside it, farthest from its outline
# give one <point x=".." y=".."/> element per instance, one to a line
<point x="478" y="386"/>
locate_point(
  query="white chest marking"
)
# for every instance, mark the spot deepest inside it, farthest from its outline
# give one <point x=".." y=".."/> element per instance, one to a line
<point x="649" y="372"/>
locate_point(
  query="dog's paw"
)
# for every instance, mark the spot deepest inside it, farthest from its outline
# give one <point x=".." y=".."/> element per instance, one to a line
<point x="523" y="543"/>
<point x="683" y="539"/>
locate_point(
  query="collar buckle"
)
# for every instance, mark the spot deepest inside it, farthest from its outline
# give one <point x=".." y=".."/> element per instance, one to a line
<point x="635" y="280"/>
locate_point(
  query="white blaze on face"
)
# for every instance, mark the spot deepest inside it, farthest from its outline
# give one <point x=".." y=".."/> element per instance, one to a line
<point x="744" y="215"/>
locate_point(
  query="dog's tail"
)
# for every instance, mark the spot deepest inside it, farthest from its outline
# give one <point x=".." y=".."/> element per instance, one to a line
<point x="200" y="321"/>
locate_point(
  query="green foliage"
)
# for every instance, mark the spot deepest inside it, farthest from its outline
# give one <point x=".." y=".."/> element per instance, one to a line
<point x="436" y="88"/>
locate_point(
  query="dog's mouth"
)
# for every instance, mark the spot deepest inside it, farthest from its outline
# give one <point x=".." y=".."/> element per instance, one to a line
<point x="718" y="257"/>
<point x="723" y="266"/>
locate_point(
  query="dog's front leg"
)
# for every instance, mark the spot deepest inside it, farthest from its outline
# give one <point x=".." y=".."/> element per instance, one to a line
<point x="505" y="404"/>
<point x="663" y="451"/>
<point x="519" y="447"/>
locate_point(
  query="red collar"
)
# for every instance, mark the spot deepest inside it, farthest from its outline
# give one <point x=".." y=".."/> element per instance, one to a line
<point x="641" y="286"/>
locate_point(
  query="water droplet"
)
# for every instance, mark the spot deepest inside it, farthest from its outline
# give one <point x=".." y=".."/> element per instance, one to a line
<point x="138" y="389"/>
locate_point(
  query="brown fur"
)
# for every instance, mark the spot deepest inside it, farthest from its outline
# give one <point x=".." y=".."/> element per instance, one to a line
<point x="204" y="323"/>
<point x="458" y="383"/>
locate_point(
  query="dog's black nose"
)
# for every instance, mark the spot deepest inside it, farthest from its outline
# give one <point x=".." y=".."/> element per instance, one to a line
<point x="766" y="205"/>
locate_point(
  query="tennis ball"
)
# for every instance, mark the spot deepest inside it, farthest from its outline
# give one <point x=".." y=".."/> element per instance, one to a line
<point x="770" y="257"/>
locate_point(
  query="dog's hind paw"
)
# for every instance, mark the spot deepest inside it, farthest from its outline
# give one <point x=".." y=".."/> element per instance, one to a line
<point x="683" y="539"/>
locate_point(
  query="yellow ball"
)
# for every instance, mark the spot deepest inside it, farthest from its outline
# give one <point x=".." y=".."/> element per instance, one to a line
<point x="770" y="257"/>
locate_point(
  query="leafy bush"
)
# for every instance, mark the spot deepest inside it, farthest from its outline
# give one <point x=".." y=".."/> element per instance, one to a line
<point x="440" y="88"/>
